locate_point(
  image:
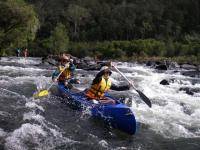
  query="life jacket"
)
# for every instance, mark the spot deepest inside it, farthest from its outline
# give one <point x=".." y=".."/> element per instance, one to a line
<point x="66" y="74"/>
<point x="97" y="91"/>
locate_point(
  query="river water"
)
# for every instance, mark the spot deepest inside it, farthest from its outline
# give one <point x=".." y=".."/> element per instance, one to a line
<point x="173" y="122"/>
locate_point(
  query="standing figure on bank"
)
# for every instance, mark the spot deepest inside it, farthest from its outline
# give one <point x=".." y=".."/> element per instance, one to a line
<point x="25" y="53"/>
<point x="18" y="51"/>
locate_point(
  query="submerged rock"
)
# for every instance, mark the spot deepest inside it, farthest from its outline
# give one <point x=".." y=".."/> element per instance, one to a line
<point x="186" y="109"/>
<point x="161" y="67"/>
<point x="150" y="63"/>
<point x="191" y="73"/>
<point x="190" y="91"/>
<point x="164" y="82"/>
<point x="86" y="63"/>
<point x="188" y="67"/>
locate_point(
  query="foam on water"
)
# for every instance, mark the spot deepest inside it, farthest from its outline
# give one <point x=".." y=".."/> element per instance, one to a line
<point x="41" y="82"/>
<point x="20" y="137"/>
<point x="19" y="75"/>
<point x="35" y="131"/>
<point x="167" y="116"/>
<point x="4" y="114"/>
<point x="20" y="69"/>
<point x="32" y="115"/>
<point x="5" y="92"/>
<point x="103" y="143"/>
<point x="2" y="133"/>
<point x="174" y="113"/>
<point x="21" y="60"/>
<point x="33" y="105"/>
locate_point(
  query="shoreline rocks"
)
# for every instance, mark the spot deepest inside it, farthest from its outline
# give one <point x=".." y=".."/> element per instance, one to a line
<point x="89" y="63"/>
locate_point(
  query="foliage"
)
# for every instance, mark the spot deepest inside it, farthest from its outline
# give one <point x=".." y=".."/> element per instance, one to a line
<point x="77" y="15"/>
<point x="134" y="48"/>
<point x="117" y="29"/>
<point x="18" y="24"/>
<point x="100" y="20"/>
<point x="58" y="41"/>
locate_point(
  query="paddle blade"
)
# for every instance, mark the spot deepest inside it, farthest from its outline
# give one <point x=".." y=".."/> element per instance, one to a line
<point x="41" y="94"/>
<point x="144" y="98"/>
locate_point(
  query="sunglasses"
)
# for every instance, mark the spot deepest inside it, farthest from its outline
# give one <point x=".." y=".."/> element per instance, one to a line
<point x="65" y="60"/>
<point x="108" y="72"/>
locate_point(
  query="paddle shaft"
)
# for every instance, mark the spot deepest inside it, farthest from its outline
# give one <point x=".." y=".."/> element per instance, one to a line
<point x="143" y="97"/>
<point x="125" y="77"/>
<point x="56" y="78"/>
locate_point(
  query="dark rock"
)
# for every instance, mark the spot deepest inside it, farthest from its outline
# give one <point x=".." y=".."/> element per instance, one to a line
<point x="188" y="67"/>
<point x="88" y="58"/>
<point x="186" y="109"/>
<point x="86" y="63"/>
<point x="150" y="63"/>
<point x="196" y="90"/>
<point x="187" y="90"/>
<point x="158" y="62"/>
<point x="191" y="73"/>
<point x="175" y="71"/>
<point x="164" y="82"/>
<point x="161" y="67"/>
<point x="172" y="65"/>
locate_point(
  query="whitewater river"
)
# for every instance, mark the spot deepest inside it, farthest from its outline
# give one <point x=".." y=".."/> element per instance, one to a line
<point x="172" y="123"/>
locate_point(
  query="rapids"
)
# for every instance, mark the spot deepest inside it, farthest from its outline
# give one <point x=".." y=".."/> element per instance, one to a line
<point x="173" y="122"/>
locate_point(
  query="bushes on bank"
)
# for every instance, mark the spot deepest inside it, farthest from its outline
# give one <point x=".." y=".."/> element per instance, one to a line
<point x="126" y="50"/>
<point x="129" y="49"/>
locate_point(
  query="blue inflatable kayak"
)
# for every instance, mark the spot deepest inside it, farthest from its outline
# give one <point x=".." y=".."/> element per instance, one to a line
<point x="119" y="116"/>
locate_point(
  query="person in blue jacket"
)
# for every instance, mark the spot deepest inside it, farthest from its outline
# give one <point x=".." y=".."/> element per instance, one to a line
<point x="18" y="51"/>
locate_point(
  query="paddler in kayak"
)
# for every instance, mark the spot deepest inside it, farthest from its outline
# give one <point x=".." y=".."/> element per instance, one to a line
<point x="67" y="68"/>
<point x="102" y="84"/>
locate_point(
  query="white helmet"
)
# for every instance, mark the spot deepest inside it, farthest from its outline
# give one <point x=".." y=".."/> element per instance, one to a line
<point x="71" y="60"/>
<point x="64" y="57"/>
<point x="105" y="69"/>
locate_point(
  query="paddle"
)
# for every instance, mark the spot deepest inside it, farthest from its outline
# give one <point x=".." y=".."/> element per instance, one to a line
<point x="46" y="92"/>
<point x="143" y="97"/>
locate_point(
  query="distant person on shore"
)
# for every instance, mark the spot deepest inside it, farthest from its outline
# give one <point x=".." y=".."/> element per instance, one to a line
<point x="18" y="51"/>
<point x="67" y="68"/>
<point x="25" y="53"/>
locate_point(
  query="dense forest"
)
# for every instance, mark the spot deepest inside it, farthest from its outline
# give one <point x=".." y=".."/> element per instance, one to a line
<point x="104" y="28"/>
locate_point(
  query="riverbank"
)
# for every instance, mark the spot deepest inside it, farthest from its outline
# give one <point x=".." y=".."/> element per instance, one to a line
<point x="191" y="60"/>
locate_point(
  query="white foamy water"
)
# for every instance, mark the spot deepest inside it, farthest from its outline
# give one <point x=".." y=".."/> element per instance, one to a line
<point x="2" y="133"/>
<point x="174" y="113"/>
<point x="21" y="60"/>
<point x="14" y="69"/>
<point x="17" y="140"/>
<point x="38" y="133"/>
<point x="33" y="105"/>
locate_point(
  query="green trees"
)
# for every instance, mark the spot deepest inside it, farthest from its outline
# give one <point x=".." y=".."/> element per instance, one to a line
<point x="77" y="15"/>
<point x="118" y="27"/>
<point x="18" y="25"/>
<point x="100" y="20"/>
<point x="59" y="40"/>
